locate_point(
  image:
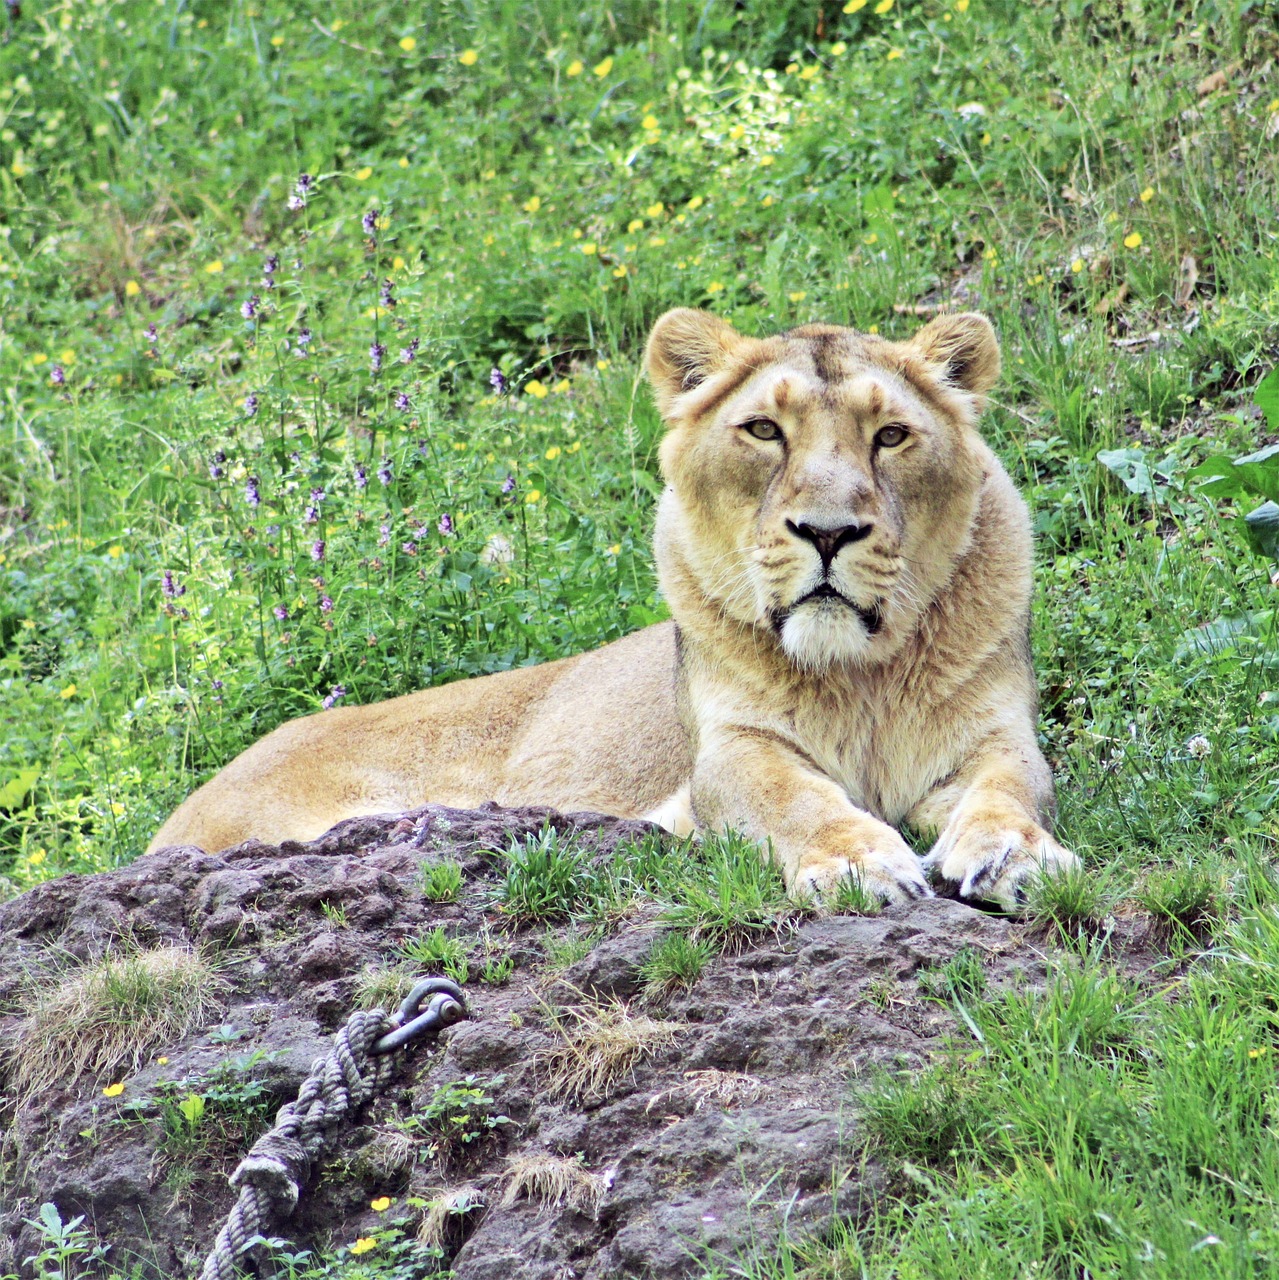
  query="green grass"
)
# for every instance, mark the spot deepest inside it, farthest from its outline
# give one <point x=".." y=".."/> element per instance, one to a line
<point x="1052" y="163"/>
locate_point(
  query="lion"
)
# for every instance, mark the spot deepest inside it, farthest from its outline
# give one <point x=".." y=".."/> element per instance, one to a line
<point x="848" y="569"/>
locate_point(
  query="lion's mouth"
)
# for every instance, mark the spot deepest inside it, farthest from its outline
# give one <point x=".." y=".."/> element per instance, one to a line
<point x="870" y="615"/>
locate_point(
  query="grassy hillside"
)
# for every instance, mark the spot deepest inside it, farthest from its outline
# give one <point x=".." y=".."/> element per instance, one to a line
<point x="319" y="340"/>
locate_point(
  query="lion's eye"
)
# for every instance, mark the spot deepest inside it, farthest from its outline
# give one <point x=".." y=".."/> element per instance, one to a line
<point x="762" y="429"/>
<point x="891" y="436"/>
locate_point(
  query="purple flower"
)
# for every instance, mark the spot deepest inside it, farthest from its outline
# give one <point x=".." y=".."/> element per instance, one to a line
<point x="312" y="514"/>
<point x="301" y="189"/>
<point x="376" y="352"/>
<point x="295" y="202"/>
<point x="384" y="535"/>
<point x="317" y="495"/>
<point x="252" y="494"/>
<point x="249" y="307"/>
<point x="497" y="380"/>
<point x="57" y="375"/>
<point x="171" y="589"/>
<point x="407" y="354"/>
<point x="409" y="548"/>
<point x="150" y="334"/>
<point x="305" y="182"/>
<point x="402" y="401"/>
<point x="303" y="341"/>
<point x="421" y="447"/>
<point x="217" y="684"/>
<point x="326" y="604"/>
<point x="334" y="694"/>
<point x="361" y="476"/>
<point x="369" y="222"/>
<point x="216" y="471"/>
<point x="446" y="525"/>
<point x="317" y="551"/>
<point x="508" y="485"/>
<point x="384" y="472"/>
<point x="385" y="296"/>
<point x="250" y="405"/>
<point x="271" y="265"/>
<point x="281" y="613"/>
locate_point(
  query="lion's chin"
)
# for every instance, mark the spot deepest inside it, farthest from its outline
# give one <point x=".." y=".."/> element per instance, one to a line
<point x="821" y="634"/>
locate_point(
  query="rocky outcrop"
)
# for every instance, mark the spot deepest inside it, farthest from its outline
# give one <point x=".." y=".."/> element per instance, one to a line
<point x="735" y="1120"/>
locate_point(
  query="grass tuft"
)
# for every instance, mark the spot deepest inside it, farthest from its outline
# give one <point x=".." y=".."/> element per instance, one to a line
<point x="600" y="1046"/>
<point x="109" y="1016"/>
<point x="442" y="881"/>
<point x="547" y="879"/>
<point x="554" y="1182"/>
<point x="675" y="963"/>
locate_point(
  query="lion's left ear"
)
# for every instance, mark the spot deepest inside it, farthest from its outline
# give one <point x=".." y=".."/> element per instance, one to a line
<point x="965" y="346"/>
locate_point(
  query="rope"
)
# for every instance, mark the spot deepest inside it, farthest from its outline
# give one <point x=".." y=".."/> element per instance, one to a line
<point x="271" y="1176"/>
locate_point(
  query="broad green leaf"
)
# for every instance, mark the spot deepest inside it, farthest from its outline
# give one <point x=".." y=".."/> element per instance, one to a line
<point x="1262" y="525"/>
<point x="13" y="791"/>
<point x="1222" y="635"/>
<point x="1255" y="474"/>
<point x="1131" y="467"/>
<point x="1267" y="398"/>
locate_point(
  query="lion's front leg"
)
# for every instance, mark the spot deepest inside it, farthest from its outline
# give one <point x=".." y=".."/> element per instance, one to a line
<point x="755" y="782"/>
<point x="993" y="816"/>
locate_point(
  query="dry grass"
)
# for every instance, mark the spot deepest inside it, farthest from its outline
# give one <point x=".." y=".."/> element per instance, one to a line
<point x="553" y="1181"/>
<point x="601" y="1043"/>
<point x="447" y="1210"/>
<point x="107" y="1017"/>
<point x="723" y="1088"/>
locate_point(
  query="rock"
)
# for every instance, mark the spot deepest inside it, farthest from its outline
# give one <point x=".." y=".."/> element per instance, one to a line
<point x="697" y="1148"/>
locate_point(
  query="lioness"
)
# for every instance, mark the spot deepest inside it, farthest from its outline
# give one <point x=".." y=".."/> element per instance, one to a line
<point x="848" y="569"/>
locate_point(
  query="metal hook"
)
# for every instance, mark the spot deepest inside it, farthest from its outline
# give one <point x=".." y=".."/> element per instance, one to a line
<point x="446" y="1006"/>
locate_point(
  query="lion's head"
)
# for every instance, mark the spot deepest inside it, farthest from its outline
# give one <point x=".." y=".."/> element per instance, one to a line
<point x="823" y="482"/>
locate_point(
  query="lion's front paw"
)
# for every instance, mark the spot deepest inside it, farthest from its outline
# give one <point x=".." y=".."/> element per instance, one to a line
<point x="997" y="863"/>
<point x="889" y="871"/>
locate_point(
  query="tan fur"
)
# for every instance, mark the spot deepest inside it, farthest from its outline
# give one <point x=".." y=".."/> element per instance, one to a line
<point x="901" y="694"/>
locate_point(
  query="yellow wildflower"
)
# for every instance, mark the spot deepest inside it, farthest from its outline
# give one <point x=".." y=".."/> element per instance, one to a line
<point x="656" y="209"/>
<point x="560" y="387"/>
<point x="363" y="175"/>
<point x="132" y="288"/>
<point x="403" y="162"/>
<point x="113" y="1090"/>
<point x="791" y="68"/>
<point x="986" y="139"/>
<point x="552" y="453"/>
<point x="768" y="202"/>
<point x="634" y="225"/>
<point x="853" y="6"/>
<point x="893" y="54"/>
<point x="574" y="68"/>
<point x="575" y="446"/>
<point x="873" y="329"/>
<point x="38" y="857"/>
<point x="961" y="6"/>
<point x="536" y="389"/>
<point x="532" y="497"/>
<point x="1132" y="240"/>
<point x="808" y="72"/>
<point x="363" y="1245"/>
<point x="589" y="248"/>
<point x="620" y="270"/>
<point x="799" y="295"/>
<point x="115" y="551"/>
<point x="695" y="203"/>
<point x="397" y="263"/>
<point x="883" y="6"/>
<point x="277" y="41"/>
<point x="67" y="356"/>
<point x="408" y="44"/>
<point x="1077" y="266"/>
<point x="602" y="364"/>
<point x="615" y="549"/>
<point x="765" y="161"/>
<point x="68" y="692"/>
<point x="838" y="49"/>
<point x="650" y="122"/>
<point x="162" y="1061"/>
<point x="533" y="204"/>
<point x="468" y="57"/>
<point x="1147" y="195"/>
<point x="656" y="242"/>
<point x="39" y="358"/>
<point x="381" y="1204"/>
<point x="602" y="69"/>
<point x="715" y="287"/>
<point x="213" y="268"/>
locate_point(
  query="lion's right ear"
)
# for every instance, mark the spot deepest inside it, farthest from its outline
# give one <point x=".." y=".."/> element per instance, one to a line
<point x="685" y="348"/>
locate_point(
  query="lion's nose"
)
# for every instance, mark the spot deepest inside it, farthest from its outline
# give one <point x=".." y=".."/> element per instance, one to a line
<point x="829" y="542"/>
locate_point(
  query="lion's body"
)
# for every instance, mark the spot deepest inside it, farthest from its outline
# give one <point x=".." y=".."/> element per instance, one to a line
<point x="849" y="571"/>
